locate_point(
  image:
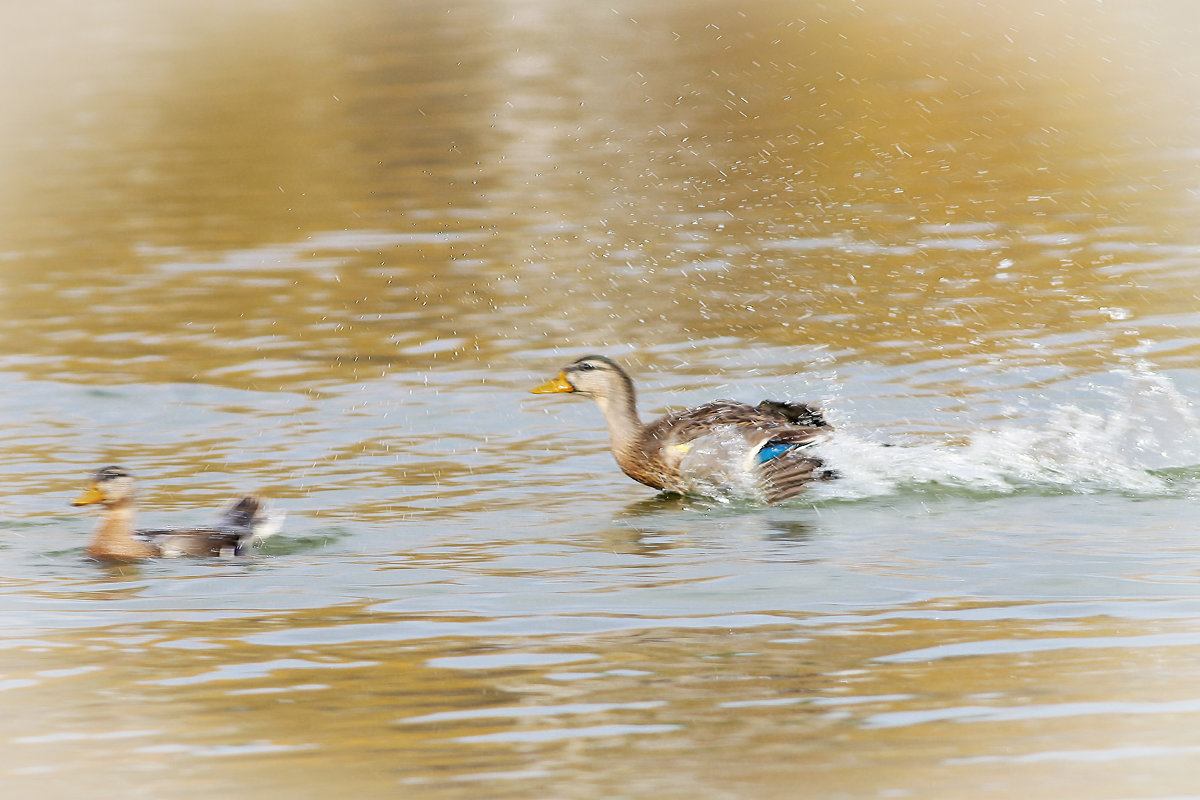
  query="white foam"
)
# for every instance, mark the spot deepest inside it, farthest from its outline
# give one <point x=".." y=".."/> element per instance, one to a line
<point x="1148" y="427"/>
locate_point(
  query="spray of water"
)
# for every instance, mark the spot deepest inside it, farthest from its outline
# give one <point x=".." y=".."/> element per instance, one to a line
<point x="720" y="465"/>
<point x="1146" y="442"/>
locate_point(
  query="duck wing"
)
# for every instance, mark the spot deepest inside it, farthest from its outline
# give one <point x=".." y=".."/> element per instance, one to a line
<point x="792" y="413"/>
<point x="785" y="466"/>
<point x="785" y="474"/>
<point x="730" y="445"/>
<point x="795" y="423"/>
<point x="175" y="542"/>
<point x="244" y="523"/>
<point x="253" y="519"/>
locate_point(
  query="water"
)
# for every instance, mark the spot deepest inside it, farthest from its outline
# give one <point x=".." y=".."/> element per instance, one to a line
<point x="323" y="250"/>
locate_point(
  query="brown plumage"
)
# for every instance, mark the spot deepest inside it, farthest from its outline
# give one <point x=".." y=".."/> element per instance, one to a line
<point x="767" y="442"/>
<point x="242" y="524"/>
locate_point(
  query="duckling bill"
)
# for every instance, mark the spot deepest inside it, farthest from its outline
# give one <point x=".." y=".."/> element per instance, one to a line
<point x="244" y="523"/>
<point x="772" y="436"/>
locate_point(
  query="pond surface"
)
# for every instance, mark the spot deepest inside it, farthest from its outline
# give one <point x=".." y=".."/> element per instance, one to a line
<point x="323" y="250"/>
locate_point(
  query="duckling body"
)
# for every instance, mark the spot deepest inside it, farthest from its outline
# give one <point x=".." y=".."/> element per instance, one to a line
<point x="244" y="523"/>
<point x="719" y="446"/>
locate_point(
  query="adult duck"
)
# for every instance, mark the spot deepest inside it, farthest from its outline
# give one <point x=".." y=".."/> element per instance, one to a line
<point x="723" y="447"/>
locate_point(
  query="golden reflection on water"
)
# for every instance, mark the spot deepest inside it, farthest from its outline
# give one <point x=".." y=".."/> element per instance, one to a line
<point x="314" y="194"/>
<point x="248" y="708"/>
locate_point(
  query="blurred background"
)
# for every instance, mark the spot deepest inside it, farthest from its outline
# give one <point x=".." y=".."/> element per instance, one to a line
<point x="323" y="249"/>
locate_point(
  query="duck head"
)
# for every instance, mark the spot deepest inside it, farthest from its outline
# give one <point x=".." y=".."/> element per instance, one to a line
<point x="593" y="376"/>
<point x="108" y="486"/>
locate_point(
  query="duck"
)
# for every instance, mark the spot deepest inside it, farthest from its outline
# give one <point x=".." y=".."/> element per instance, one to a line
<point x="243" y="523"/>
<point x="721" y="448"/>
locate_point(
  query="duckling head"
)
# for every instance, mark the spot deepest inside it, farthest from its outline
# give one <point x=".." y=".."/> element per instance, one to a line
<point x="108" y="487"/>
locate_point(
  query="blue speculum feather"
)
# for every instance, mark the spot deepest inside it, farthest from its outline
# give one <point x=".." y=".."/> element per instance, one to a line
<point x="770" y="451"/>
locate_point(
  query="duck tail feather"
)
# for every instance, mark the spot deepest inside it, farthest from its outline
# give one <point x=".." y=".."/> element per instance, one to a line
<point x="794" y="413"/>
<point x="240" y="513"/>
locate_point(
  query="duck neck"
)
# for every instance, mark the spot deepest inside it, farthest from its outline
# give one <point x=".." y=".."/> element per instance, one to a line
<point x="114" y="538"/>
<point x="621" y="416"/>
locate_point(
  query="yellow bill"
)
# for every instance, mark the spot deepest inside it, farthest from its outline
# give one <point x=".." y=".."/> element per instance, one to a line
<point x="557" y="385"/>
<point x="91" y="495"/>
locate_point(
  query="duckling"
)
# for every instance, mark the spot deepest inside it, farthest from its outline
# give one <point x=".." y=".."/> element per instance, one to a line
<point x="244" y="523"/>
<point x="722" y="446"/>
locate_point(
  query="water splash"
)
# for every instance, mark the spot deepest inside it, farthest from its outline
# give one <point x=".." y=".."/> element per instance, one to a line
<point x="1146" y="441"/>
<point x="720" y="465"/>
<point x="1157" y="426"/>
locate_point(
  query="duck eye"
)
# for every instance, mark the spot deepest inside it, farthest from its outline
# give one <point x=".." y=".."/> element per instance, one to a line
<point x="586" y="365"/>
